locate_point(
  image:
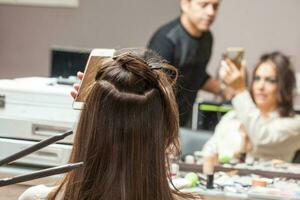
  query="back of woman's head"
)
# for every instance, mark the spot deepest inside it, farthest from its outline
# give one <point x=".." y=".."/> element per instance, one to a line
<point x="285" y="79"/>
<point x="129" y="120"/>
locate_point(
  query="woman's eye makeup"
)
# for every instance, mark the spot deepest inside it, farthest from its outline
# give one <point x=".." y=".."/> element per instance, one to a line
<point x="272" y="80"/>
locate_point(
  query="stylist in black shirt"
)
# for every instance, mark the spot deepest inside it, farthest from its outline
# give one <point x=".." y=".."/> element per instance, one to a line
<point x="186" y="43"/>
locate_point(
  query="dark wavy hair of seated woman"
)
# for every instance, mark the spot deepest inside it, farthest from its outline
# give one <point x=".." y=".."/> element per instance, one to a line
<point x="286" y="81"/>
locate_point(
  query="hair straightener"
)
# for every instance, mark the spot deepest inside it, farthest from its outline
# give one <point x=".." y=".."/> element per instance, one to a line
<point x="41" y="173"/>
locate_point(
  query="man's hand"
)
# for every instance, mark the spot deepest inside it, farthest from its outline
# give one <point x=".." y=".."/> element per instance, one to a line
<point x="74" y="92"/>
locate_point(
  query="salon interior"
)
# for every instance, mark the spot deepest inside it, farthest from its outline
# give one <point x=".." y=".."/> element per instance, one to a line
<point x="43" y="44"/>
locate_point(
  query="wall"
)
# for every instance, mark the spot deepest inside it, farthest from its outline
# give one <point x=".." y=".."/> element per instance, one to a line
<point x="259" y="26"/>
<point x="28" y="33"/>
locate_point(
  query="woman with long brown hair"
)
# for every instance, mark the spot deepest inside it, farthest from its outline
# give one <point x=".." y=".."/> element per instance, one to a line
<point x="267" y="110"/>
<point x="128" y="124"/>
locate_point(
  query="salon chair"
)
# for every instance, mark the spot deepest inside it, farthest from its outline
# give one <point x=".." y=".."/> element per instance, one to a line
<point x="193" y="140"/>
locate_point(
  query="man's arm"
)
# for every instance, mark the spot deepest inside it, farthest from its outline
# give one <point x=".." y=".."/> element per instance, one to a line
<point x="213" y="86"/>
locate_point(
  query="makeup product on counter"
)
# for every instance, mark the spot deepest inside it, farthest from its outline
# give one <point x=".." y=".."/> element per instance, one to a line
<point x="242" y="157"/>
<point x="208" y="170"/>
<point x="259" y="182"/>
<point x="225" y="159"/>
<point x="189" y="159"/>
<point x="198" y="157"/>
<point x="174" y="171"/>
<point x="192" y="178"/>
<point x="210" y="181"/>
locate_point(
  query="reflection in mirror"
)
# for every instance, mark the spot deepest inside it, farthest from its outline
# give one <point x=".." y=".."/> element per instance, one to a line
<point x="263" y="124"/>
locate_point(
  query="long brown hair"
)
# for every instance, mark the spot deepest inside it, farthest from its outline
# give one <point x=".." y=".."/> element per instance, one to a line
<point x="129" y="121"/>
<point x="286" y="81"/>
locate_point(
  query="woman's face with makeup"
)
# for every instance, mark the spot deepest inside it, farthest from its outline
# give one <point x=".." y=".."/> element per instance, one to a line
<point x="265" y="87"/>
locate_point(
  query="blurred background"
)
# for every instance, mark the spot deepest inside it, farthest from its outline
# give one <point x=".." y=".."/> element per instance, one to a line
<point x="29" y="32"/>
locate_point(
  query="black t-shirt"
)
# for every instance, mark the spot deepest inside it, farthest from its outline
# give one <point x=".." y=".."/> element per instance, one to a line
<point x="189" y="55"/>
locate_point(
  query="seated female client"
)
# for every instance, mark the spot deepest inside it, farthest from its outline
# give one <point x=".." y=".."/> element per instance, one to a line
<point x="128" y="125"/>
<point x="266" y="112"/>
